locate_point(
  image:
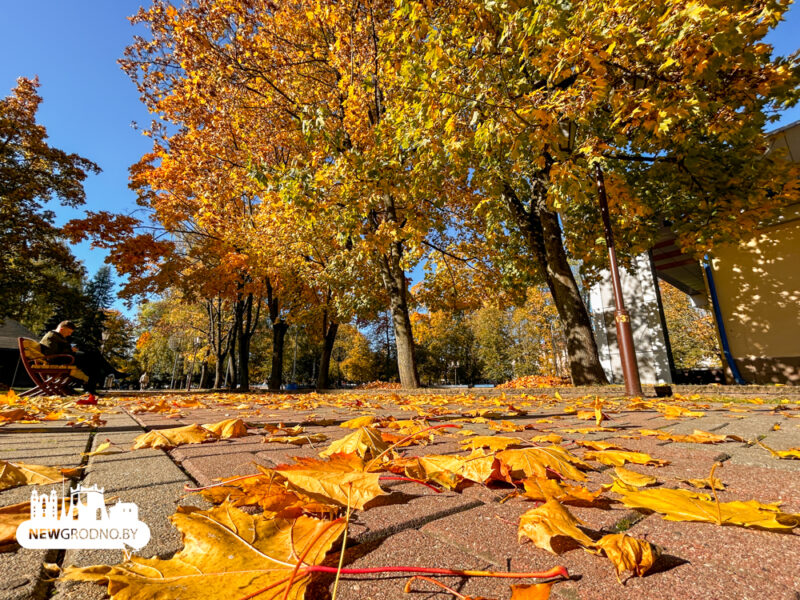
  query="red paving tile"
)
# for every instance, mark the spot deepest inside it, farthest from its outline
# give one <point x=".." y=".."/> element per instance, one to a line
<point x="472" y="529"/>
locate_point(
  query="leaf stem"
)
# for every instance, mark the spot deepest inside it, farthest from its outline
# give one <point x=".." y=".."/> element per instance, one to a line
<point x="559" y="571"/>
<point x="714" y="491"/>
<point x="344" y="543"/>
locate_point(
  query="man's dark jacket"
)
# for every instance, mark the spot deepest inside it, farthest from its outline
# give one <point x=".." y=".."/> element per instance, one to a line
<point x="55" y="343"/>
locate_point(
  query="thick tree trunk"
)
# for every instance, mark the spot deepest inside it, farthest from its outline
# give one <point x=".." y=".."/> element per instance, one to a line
<point x="279" y="330"/>
<point x="325" y="358"/>
<point x="584" y="358"/>
<point x="394" y="282"/>
<point x="542" y="233"/>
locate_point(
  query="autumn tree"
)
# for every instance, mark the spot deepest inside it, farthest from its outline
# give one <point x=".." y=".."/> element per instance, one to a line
<point x="669" y="100"/>
<point x="310" y="83"/>
<point x="692" y="335"/>
<point x="36" y="267"/>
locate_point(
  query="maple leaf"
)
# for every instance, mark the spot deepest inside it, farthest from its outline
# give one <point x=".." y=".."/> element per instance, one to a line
<point x="551" y="520"/>
<point x="686" y="505"/>
<point x="268" y="490"/>
<point x="549" y="438"/>
<point x="598" y="445"/>
<point x="229" y="428"/>
<point x="790" y="453"/>
<point x="363" y="442"/>
<point x="297" y="440"/>
<point x="177" y="436"/>
<point x="629" y="553"/>
<point x="535" y="462"/>
<point x="16" y="474"/>
<point x="341" y="479"/>
<point x="633" y="478"/>
<point x="707" y="483"/>
<point x="226" y="554"/>
<point x="359" y="422"/>
<point x="492" y="442"/>
<point x="10" y="518"/>
<point x="538" y="488"/>
<point x="620" y="457"/>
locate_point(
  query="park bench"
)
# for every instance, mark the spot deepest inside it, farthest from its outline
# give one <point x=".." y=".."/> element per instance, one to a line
<point x="48" y="378"/>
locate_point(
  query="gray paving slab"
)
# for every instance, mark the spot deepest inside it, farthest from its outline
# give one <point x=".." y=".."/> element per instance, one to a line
<point x="22" y="576"/>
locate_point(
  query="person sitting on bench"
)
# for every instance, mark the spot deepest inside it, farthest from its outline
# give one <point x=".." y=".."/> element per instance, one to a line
<point x="92" y="363"/>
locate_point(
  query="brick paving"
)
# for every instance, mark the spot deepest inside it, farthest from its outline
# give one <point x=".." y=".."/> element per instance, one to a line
<point x="473" y="528"/>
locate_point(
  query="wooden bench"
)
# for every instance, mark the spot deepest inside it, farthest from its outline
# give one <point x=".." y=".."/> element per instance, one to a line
<point x="48" y="378"/>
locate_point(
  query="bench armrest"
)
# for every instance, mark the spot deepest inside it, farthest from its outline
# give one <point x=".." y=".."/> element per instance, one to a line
<point x="49" y="357"/>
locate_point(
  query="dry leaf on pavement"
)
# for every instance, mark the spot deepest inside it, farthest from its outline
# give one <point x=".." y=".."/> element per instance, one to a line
<point x="177" y="436"/>
<point x="340" y="480"/>
<point x="364" y="441"/>
<point x="551" y="520"/>
<point x="629" y="553"/>
<point x="227" y="554"/>
<point x="229" y="428"/>
<point x="10" y="519"/>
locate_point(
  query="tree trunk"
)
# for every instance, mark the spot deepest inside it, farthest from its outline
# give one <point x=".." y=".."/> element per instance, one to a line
<point x="394" y="281"/>
<point x="204" y="374"/>
<point x="279" y="330"/>
<point x="325" y="358"/>
<point x="542" y="233"/>
<point x="245" y="333"/>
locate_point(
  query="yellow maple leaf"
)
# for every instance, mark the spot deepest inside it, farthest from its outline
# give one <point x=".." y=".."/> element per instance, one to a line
<point x="226" y="554"/>
<point x="552" y="520"/>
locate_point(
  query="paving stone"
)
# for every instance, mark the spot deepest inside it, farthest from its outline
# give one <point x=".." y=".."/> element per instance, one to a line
<point x="746" y="552"/>
<point x="408" y="506"/>
<point x="207" y="469"/>
<point x="409" y="548"/>
<point x="21" y="574"/>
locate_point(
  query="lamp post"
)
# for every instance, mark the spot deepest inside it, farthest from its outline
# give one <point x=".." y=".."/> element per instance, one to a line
<point x="627" y="352"/>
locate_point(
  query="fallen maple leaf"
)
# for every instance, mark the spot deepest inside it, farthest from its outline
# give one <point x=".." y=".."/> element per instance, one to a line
<point x="686" y="505"/>
<point x="598" y="445"/>
<point x="535" y="462"/>
<point x="629" y="553"/>
<point x="10" y="519"/>
<point x="341" y="479"/>
<point x="364" y="441"/>
<point x="16" y="474"/>
<point x="297" y="440"/>
<point x="104" y="448"/>
<point x="620" y="457"/>
<point x="790" y="453"/>
<point x="551" y="520"/>
<point x="177" y="436"/>
<point x="229" y="428"/>
<point x="547" y="438"/>
<point x="227" y="554"/>
<point x="492" y="442"/>
<point x="633" y="478"/>
<point x="541" y="489"/>
<point x="707" y="483"/>
<point x="358" y="422"/>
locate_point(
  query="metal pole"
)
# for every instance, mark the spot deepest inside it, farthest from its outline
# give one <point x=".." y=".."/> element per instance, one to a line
<point x="627" y="352"/>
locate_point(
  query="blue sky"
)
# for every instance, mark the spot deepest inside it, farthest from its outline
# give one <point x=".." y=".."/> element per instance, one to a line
<point x="89" y="103"/>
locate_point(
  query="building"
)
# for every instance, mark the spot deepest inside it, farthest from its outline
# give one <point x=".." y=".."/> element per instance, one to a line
<point x="752" y="287"/>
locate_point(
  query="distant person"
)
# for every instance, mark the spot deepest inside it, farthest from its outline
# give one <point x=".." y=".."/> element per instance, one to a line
<point x="90" y="362"/>
<point x="144" y="381"/>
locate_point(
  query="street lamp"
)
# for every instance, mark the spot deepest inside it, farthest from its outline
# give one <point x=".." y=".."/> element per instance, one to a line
<point x="627" y="352"/>
<point x="622" y="318"/>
